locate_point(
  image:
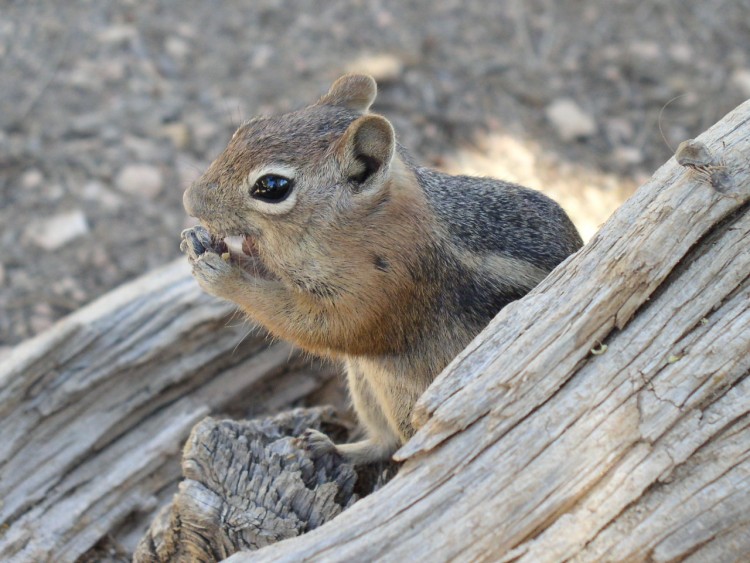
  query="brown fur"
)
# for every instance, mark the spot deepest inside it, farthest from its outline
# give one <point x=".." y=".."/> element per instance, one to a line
<point x="363" y="259"/>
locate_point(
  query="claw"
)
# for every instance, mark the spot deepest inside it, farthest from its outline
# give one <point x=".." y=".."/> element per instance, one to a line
<point x="196" y="241"/>
<point x="198" y="245"/>
<point x="316" y="442"/>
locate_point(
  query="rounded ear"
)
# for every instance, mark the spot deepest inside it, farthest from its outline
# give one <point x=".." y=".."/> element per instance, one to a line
<point x="366" y="147"/>
<point x="352" y="91"/>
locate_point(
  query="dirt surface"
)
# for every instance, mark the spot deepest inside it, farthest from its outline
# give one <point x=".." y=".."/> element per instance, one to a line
<point x="109" y="109"/>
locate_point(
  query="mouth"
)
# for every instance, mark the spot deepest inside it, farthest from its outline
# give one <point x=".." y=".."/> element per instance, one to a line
<point x="243" y="251"/>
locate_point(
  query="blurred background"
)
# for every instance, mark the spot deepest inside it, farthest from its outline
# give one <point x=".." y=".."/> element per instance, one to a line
<point x="109" y="109"/>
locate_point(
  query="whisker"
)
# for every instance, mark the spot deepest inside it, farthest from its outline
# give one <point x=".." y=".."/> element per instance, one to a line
<point x="248" y="333"/>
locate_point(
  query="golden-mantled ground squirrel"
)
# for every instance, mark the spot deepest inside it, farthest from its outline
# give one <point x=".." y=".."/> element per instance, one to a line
<point x="353" y="252"/>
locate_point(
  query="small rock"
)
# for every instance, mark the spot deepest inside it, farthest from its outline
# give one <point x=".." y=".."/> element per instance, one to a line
<point x="110" y="133"/>
<point x="570" y="120"/>
<point x="384" y="18"/>
<point x="186" y="30"/>
<point x="177" y="133"/>
<point x="117" y="34"/>
<point x="619" y="129"/>
<point x="82" y="75"/>
<point x="54" y="232"/>
<point x="139" y="147"/>
<point x="86" y="125"/>
<point x="31" y="179"/>
<point x="177" y="47"/>
<point x="42" y="317"/>
<point x="98" y="192"/>
<point x="140" y="179"/>
<point x="741" y="80"/>
<point x="627" y="156"/>
<point x="681" y="52"/>
<point x="68" y="287"/>
<point x="645" y="50"/>
<point x="54" y="192"/>
<point x="610" y="52"/>
<point x="383" y="67"/>
<point x="261" y="56"/>
<point x="111" y="69"/>
<point x="99" y="258"/>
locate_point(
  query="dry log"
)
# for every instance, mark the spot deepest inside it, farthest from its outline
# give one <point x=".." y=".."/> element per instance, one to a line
<point x="604" y="417"/>
<point x="248" y="485"/>
<point x="94" y="412"/>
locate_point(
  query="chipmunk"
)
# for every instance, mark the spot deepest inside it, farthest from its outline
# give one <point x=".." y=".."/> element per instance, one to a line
<point x="353" y="252"/>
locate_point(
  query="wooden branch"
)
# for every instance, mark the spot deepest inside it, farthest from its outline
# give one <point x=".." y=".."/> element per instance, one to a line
<point x="603" y="417"/>
<point x="94" y="412"/>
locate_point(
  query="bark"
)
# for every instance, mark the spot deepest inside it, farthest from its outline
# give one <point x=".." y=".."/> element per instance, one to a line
<point x="248" y="485"/>
<point x="604" y="417"/>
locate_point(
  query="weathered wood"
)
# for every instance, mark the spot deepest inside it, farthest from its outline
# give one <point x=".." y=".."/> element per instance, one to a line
<point x="603" y="417"/>
<point x="95" y="411"/>
<point x="247" y="485"/>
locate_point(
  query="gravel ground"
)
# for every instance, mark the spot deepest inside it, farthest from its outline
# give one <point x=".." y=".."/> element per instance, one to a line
<point x="109" y="109"/>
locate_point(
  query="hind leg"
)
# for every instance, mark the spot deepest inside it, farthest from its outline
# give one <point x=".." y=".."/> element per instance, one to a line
<point x="381" y="441"/>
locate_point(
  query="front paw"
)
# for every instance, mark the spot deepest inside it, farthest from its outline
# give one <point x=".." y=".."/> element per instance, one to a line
<point x="211" y="267"/>
<point x="196" y="241"/>
<point x="215" y="275"/>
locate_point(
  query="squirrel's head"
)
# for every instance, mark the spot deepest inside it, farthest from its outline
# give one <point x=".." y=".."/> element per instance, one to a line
<point x="300" y="187"/>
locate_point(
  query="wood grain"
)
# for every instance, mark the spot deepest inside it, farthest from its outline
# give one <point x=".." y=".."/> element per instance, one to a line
<point x="248" y="484"/>
<point x="95" y="411"/>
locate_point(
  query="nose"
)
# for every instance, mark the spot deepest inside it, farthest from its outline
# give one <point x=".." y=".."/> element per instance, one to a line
<point x="188" y="201"/>
<point x="194" y="199"/>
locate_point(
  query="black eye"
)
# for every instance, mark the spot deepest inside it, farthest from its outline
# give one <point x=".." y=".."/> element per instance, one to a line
<point x="271" y="188"/>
